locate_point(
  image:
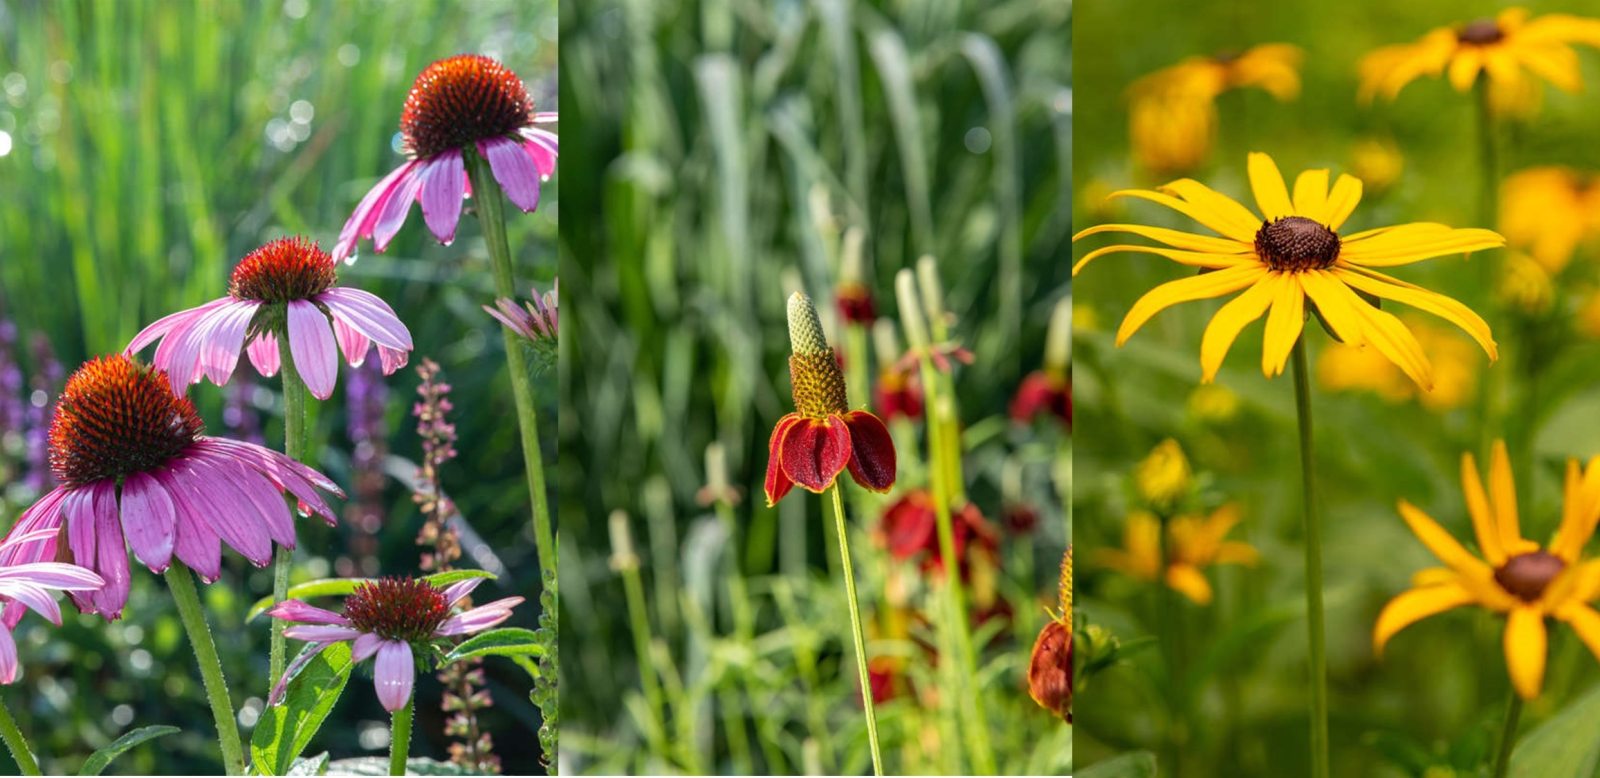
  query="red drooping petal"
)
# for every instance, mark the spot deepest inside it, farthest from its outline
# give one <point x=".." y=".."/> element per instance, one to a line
<point x="778" y="483"/>
<point x="872" y="451"/>
<point x="908" y="525"/>
<point x="815" y="451"/>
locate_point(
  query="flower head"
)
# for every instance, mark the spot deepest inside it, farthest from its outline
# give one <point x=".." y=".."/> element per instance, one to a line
<point x="1041" y="392"/>
<point x="1163" y="477"/>
<point x="1512" y="51"/>
<point x="287" y="287"/>
<point x="459" y="105"/>
<point x="909" y="531"/>
<point x="1172" y="115"/>
<point x="1050" y="665"/>
<point x="898" y="393"/>
<point x="855" y="303"/>
<point x="27" y="584"/>
<point x="537" y="321"/>
<point x="137" y="471"/>
<point x="1510" y="574"/>
<point x="823" y="437"/>
<point x="1548" y="212"/>
<point x="391" y="618"/>
<point x="1193" y="544"/>
<point x="1290" y="256"/>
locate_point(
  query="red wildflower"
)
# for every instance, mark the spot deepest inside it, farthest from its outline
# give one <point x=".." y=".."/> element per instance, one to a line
<point x="855" y="303"/>
<point x="898" y="393"/>
<point x="1043" y="391"/>
<point x="910" y="531"/>
<point x="823" y="437"/>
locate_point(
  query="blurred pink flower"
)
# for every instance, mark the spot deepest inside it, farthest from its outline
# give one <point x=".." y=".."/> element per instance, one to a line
<point x="27" y="584"/>
<point x="537" y="320"/>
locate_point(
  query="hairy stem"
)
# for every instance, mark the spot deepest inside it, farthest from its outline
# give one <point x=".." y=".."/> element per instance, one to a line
<point x="855" y="628"/>
<point x="17" y="744"/>
<point x="400" y="738"/>
<point x="294" y="445"/>
<point x="181" y="582"/>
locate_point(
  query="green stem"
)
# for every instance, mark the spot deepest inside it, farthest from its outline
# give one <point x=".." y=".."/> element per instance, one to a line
<point x="634" y="590"/>
<point x="1313" y="526"/>
<point x="1167" y="606"/>
<point x="491" y="213"/>
<point x="16" y="743"/>
<point x="400" y="738"/>
<point x="294" y="445"/>
<point x="855" y="628"/>
<point x="1508" y="735"/>
<point x="181" y="582"/>
<point x="1489" y="405"/>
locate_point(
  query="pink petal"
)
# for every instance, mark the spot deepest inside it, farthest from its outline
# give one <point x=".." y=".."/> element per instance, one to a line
<point x="365" y="216"/>
<point x="82" y="534"/>
<point x="43" y="515"/>
<point x="194" y="542"/>
<point x="542" y="147"/>
<point x="368" y="314"/>
<point x="454" y="592"/>
<point x="23" y="538"/>
<point x="515" y="171"/>
<point x="149" y="521"/>
<point x="354" y="345"/>
<point x="223" y="509"/>
<point x="365" y="646"/>
<point x="321" y="633"/>
<point x="161" y="327"/>
<point x="295" y="610"/>
<point x="398" y="204"/>
<point x="479" y="618"/>
<point x="443" y="184"/>
<point x="392" y="360"/>
<point x="8" y="657"/>
<point x="111" y="554"/>
<point x="219" y="354"/>
<point x="51" y="575"/>
<point x="264" y="354"/>
<point x="393" y="674"/>
<point x="283" y="472"/>
<point x="40" y="600"/>
<point x="315" y="354"/>
<point x="264" y="500"/>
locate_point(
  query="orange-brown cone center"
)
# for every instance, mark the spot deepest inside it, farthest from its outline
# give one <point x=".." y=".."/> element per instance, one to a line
<point x="458" y="101"/>
<point x="115" y="418"/>
<point x="408" y="609"/>
<point x="283" y="270"/>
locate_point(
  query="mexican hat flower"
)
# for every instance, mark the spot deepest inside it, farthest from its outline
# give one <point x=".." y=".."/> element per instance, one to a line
<point x="392" y="619"/>
<point x="136" y="471"/>
<point x="823" y="437"/>
<point x="1548" y="212"/>
<point x="27" y="585"/>
<point x="1172" y="114"/>
<point x="1292" y="255"/>
<point x="1527" y="582"/>
<point x="1041" y="392"/>
<point x="909" y="531"/>
<point x="287" y="286"/>
<point x="1193" y="544"/>
<point x="1050" y="665"/>
<point x="1512" y="51"/>
<point x="460" y="105"/>
<point x="898" y="393"/>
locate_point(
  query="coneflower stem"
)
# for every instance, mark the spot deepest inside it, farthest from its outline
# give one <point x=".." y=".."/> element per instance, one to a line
<point x="294" y="445"/>
<point x="855" y="628"/>
<point x="1317" y="647"/>
<point x="400" y="737"/>
<point x="181" y="582"/>
<point x="16" y="743"/>
<point x="491" y="213"/>
<point x="1508" y="735"/>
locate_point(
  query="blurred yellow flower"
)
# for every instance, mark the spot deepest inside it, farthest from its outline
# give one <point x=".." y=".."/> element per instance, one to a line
<point x="1377" y="163"/>
<point x="1511" y="50"/>
<point x="1172" y="116"/>
<point x="1084" y="317"/>
<point x="1525" y="285"/>
<point x="1292" y="257"/>
<point x="1163" y="477"/>
<point x="1193" y="543"/>
<point x="1342" y="368"/>
<point x="1515" y="576"/>
<point x="1548" y="211"/>
<point x="1213" y="403"/>
<point x="1588" y="318"/>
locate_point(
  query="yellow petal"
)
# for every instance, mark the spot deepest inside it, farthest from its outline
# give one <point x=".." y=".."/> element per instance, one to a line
<point x="1433" y="576"/>
<point x="1201" y="287"/>
<point x="1413" y="606"/>
<point x="1230" y="319"/>
<point x="1288" y="316"/>
<point x="1382" y="330"/>
<point x="1324" y="290"/>
<point x="1204" y="215"/>
<point x="1558" y="65"/>
<point x="1374" y="283"/>
<point x="1341" y="201"/>
<point x="1503" y="496"/>
<point x="1483" y="523"/>
<point x="1190" y="258"/>
<point x="1580" y="510"/>
<point x="1311" y="194"/>
<point x="1464" y="69"/>
<point x="1585" y="622"/>
<point x="1526" y="645"/>
<point x="1240" y="223"/>
<point x="1398" y="246"/>
<point x="1174" y="238"/>
<point x="1441" y="543"/>
<point x="1189" y="581"/>
<point x="1272" y="197"/>
<point x="1235" y="552"/>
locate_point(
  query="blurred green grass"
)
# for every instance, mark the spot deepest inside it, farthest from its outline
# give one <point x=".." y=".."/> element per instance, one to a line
<point x="1437" y="696"/>
<point x="726" y="145"/>
<point x="155" y="143"/>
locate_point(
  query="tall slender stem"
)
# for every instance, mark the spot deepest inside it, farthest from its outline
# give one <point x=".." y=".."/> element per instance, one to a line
<point x="16" y="743"/>
<point x="181" y="582"/>
<point x="491" y="213"/>
<point x="1489" y="403"/>
<point x="633" y="588"/>
<point x="400" y="737"/>
<point x="1508" y="735"/>
<point x="294" y="445"/>
<point x="855" y="628"/>
<point x="1313" y="525"/>
<point x="1171" y="646"/>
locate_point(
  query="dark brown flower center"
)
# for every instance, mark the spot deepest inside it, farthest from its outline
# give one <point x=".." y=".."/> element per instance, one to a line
<point x="1481" y="32"/>
<point x="406" y="609"/>
<point x="117" y="417"/>
<point x="1527" y="575"/>
<point x="283" y="270"/>
<point x="458" y="101"/>
<point x="1295" y="243"/>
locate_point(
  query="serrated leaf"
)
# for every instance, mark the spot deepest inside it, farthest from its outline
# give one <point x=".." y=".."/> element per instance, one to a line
<point x="286" y="729"/>
<point x="334" y="587"/>
<point x="378" y="765"/>
<point x="1139" y="764"/>
<point x="99" y="760"/>
<point x="1564" y="746"/>
<point x="507" y="641"/>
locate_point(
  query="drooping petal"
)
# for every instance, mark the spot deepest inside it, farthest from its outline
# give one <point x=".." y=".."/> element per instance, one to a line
<point x="33" y="538"/>
<point x="354" y="345"/>
<point x="38" y="599"/>
<point x="1272" y="196"/>
<point x="82" y="534"/>
<point x="1190" y="582"/>
<point x="365" y="217"/>
<point x="311" y="344"/>
<point x="8" y="657"/>
<point x="514" y="169"/>
<point x="149" y="521"/>
<point x="1413" y="606"/>
<point x="321" y="633"/>
<point x="368" y="314"/>
<point x="1526" y="643"/>
<point x="305" y="613"/>
<point x="814" y="451"/>
<point x="1187" y="241"/>
<point x="1183" y="290"/>
<point x="224" y="511"/>
<point x="260" y="501"/>
<point x="454" y="592"/>
<point x="872" y="455"/>
<point x="1324" y="290"/>
<point x="264" y="354"/>
<point x="160" y="328"/>
<point x="194" y="542"/>
<point x="479" y="618"/>
<point x="443" y="184"/>
<point x="111" y="554"/>
<point x="397" y="205"/>
<point x="1284" y="323"/>
<point x="1232" y="317"/>
<point x="393" y="674"/>
<point x="226" y="328"/>
<point x="392" y="359"/>
<point x="1374" y="283"/>
<point x="777" y="482"/>
<point x="364" y="647"/>
<point x="284" y="473"/>
<point x="1198" y="259"/>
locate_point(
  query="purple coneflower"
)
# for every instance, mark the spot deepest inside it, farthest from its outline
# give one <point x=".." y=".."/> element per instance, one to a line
<point x="27" y="584"/>
<point x="463" y="103"/>
<point x="284" y="286"/>
<point x="537" y="320"/>
<point x="389" y="618"/>
<point x="181" y="493"/>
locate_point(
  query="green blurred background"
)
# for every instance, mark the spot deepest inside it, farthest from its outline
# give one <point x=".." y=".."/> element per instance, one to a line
<point x="725" y="147"/>
<point x="144" y="148"/>
<point x="1436" y="699"/>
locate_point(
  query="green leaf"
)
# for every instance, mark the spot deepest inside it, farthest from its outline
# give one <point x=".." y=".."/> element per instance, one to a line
<point x="1564" y="746"/>
<point x="1139" y="764"/>
<point x="286" y="729"/>
<point x="508" y="641"/>
<point x="100" y="759"/>
<point x="310" y="765"/>
<point x="448" y="577"/>
<point x="379" y="765"/>
<point x="334" y="587"/>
